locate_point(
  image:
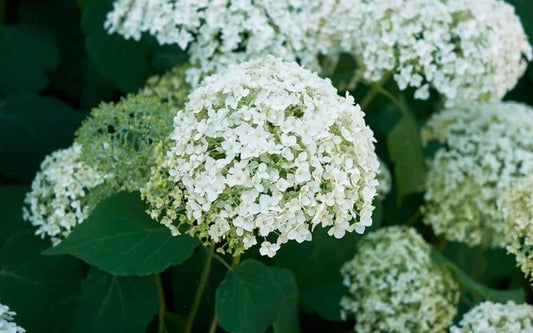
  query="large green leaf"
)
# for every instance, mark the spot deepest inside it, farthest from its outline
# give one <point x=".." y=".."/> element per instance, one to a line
<point x="405" y="150"/>
<point x="249" y="298"/>
<point x="115" y="304"/>
<point x="11" y="199"/>
<point x="124" y="61"/>
<point x="27" y="56"/>
<point x="471" y="285"/>
<point x="287" y="320"/>
<point x="30" y="127"/>
<point x="120" y="238"/>
<point x="36" y="286"/>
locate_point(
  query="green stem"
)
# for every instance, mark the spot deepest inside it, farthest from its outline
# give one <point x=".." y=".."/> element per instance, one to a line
<point x="200" y="290"/>
<point x="440" y="245"/>
<point x="374" y="91"/>
<point x="162" y="303"/>
<point x="399" y="104"/>
<point x="414" y="218"/>
<point x="214" y="324"/>
<point x="222" y="261"/>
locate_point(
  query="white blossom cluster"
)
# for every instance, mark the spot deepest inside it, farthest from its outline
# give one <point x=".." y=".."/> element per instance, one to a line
<point x="384" y="180"/>
<point x="265" y="149"/>
<point x="63" y="193"/>
<point x="6" y="321"/>
<point x="223" y="32"/>
<point x="463" y="49"/>
<point x="517" y="208"/>
<point x="488" y="317"/>
<point x="486" y="147"/>
<point x="393" y="286"/>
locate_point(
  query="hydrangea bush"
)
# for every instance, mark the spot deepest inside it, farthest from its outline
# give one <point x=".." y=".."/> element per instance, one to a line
<point x="517" y="208"/>
<point x="393" y="286"/>
<point x="219" y="33"/>
<point x="266" y="166"/>
<point x="486" y="147"/>
<point x="465" y="50"/>
<point x="265" y="148"/>
<point x="493" y="317"/>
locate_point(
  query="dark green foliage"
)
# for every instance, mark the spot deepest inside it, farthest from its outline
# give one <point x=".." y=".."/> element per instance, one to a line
<point x="120" y="238"/>
<point x="32" y="126"/>
<point x="38" y="287"/>
<point x="115" y="304"/>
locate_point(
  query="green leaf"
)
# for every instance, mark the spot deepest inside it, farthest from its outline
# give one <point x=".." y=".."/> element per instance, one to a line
<point x="27" y="56"/>
<point x="405" y="150"/>
<point x="499" y="296"/>
<point x="115" y="304"/>
<point x="325" y="300"/>
<point x="120" y="238"/>
<point x="35" y="286"/>
<point x="30" y="127"/>
<point x="249" y="298"/>
<point x="11" y="200"/>
<point x="126" y="62"/>
<point x="287" y="320"/>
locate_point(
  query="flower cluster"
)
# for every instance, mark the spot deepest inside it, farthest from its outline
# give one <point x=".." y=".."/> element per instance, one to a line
<point x="489" y="317"/>
<point x="219" y="33"/>
<point x="465" y="50"/>
<point x="393" y="286"/>
<point x="384" y="180"/>
<point x="63" y="193"/>
<point x="6" y="321"/>
<point x="486" y="148"/>
<point x="119" y="138"/>
<point x="169" y="88"/>
<point x="517" y="208"/>
<point x="267" y="149"/>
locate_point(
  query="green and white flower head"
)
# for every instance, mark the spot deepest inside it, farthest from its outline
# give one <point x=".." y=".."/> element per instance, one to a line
<point x="63" y="193"/>
<point x="384" y="180"/>
<point x="488" y="317"/>
<point x="393" y="286"/>
<point x="6" y="321"/>
<point x="463" y="49"/>
<point x="517" y="207"/>
<point x="486" y="147"/>
<point x="120" y="138"/>
<point x="219" y="33"/>
<point x="265" y="150"/>
<point x="169" y="88"/>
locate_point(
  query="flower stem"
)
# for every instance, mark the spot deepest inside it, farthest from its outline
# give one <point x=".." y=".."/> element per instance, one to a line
<point x="414" y="218"/>
<point x="374" y="91"/>
<point x="162" y="303"/>
<point x="222" y="261"/>
<point x="399" y="104"/>
<point x="200" y="290"/>
<point x="214" y="324"/>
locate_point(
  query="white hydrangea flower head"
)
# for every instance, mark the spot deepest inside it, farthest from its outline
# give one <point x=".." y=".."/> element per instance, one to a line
<point x="6" y="321"/>
<point x="463" y="49"/>
<point x="223" y="32"/>
<point x="488" y="317"/>
<point x="63" y="193"/>
<point x="486" y="147"/>
<point x="265" y="150"/>
<point x="393" y="286"/>
<point x="517" y="208"/>
<point x="384" y="180"/>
